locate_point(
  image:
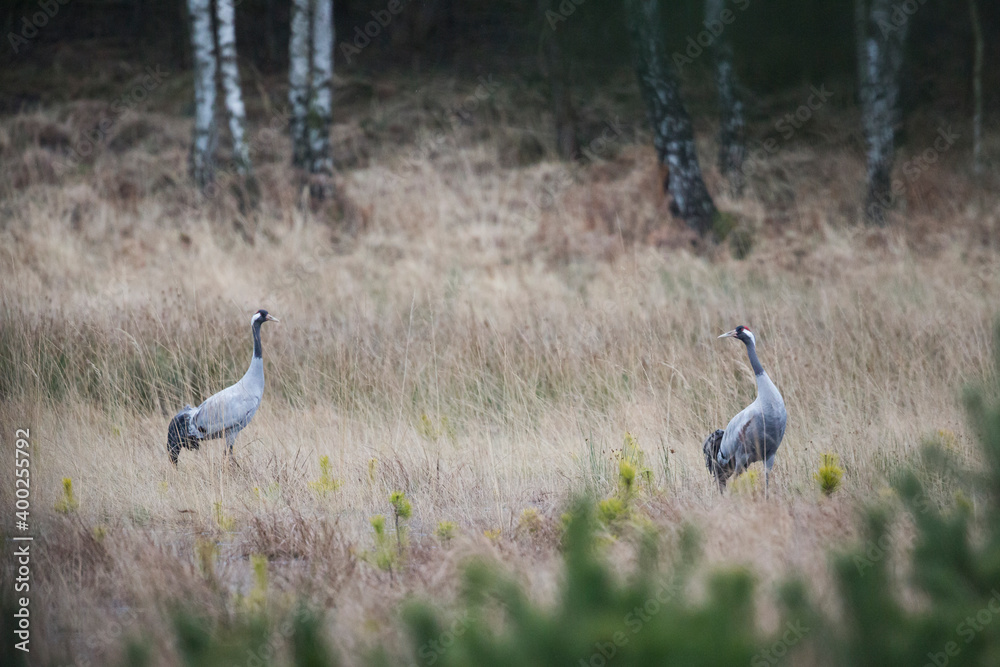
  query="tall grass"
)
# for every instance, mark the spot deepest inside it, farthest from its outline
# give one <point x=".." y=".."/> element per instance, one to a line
<point x="482" y="355"/>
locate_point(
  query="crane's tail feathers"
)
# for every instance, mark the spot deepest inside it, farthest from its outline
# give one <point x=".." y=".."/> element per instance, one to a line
<point x="179" y="436"/>
<point x="711" y="448"/>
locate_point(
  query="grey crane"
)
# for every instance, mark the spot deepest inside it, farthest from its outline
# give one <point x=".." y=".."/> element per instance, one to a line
<point x="756" y="432"/>
<point x="227" y="412"/>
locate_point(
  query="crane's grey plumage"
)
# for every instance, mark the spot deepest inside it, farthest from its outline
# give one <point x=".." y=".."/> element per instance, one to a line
<point x="756" y="432"/>
<point x="226" y="413"/>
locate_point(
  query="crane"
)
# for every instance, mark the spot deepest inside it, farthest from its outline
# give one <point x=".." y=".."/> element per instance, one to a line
<point x="756" y="432"/>
<point x="226" y="413"/>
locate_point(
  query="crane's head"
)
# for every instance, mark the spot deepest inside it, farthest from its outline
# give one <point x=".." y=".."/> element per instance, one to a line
<point x="260" y="317"/>
<point x="742" y="333"/>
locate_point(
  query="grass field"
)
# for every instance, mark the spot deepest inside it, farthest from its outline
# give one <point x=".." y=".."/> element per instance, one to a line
<point x="477" y="330"/>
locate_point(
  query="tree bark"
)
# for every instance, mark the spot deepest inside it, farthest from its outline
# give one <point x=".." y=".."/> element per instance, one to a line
<point x="205" y="131"/>
<point x="673" y="135"/>
<point x="310" y="92"/>
<point x="226" y="18"/>
<point x="860" y="48"/>
<point x="884" y="42"/>
<point x="320" y="112"/>
<point x="732" y="143"/>
<point x="298" y="80"/>
<point x="557" y="72"/>
<point x="977" y="89"/>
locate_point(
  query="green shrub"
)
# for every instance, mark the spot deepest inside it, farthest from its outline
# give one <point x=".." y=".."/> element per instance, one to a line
<point x="243" y="639"/>
<point x="67" y="503"/>
<point x="223" y="520"/>
<point x="647" y="620"/>
<point x="384" y="556"/>
<point x="326" y="483"/>
<point x="953" y="569"/>
<point x="445" y="531"/>
<point x="829" y="474"/>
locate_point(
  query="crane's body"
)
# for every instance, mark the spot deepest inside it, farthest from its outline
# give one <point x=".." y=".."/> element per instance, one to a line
<point x="227" y="412"/>
<point x="756" y="432"/>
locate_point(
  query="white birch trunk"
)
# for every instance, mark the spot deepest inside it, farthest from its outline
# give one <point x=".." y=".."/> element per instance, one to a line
<point x="320" y="115"/>
<point x="880" y="103"/>
<point x="226" y="20"/>
<point x="205" y="135"/>
<point x="298" y="80"/>
<point x="732" y="146"/>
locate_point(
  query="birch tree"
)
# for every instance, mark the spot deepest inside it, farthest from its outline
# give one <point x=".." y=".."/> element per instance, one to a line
<point x="310" y="92"/>
<point x="205" y="131"/>
<point x="884" y="41"/>
<point x="298" y="80"/>
<point x="673" y="134"/>
<point x="320" y="111"/>
<point x="732" y="143"/>
<point x="226" y="21"/>
<point x="215" y="51"/>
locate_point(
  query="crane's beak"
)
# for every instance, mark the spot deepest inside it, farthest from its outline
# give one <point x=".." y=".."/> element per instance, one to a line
<point x="272" y="319"/>
<point x="729" y="334"/>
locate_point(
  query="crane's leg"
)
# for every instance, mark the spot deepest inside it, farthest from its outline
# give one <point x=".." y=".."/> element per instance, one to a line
<point x="230" y="440"/>
<point x="767" y="470"/>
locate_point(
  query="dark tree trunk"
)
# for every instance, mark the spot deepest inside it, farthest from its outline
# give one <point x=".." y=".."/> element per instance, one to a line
<point x="673" y="135"/>
<point x="886" y="35"/>
<point x="860" y="48"/>
<point x="977" y="89"/>
<point x="557" y="71"/>
<point x="270" y="33"/>
<point x="732" y="143"/>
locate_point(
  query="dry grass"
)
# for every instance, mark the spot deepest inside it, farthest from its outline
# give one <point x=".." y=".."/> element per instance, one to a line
<point x="486" y="337"/>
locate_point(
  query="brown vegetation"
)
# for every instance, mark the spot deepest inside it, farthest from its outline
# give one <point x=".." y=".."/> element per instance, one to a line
<point x="480" y="337"/>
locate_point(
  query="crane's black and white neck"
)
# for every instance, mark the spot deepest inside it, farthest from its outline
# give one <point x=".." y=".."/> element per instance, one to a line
<point x="746" y="336"/>
<point x="258" y="319"/>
